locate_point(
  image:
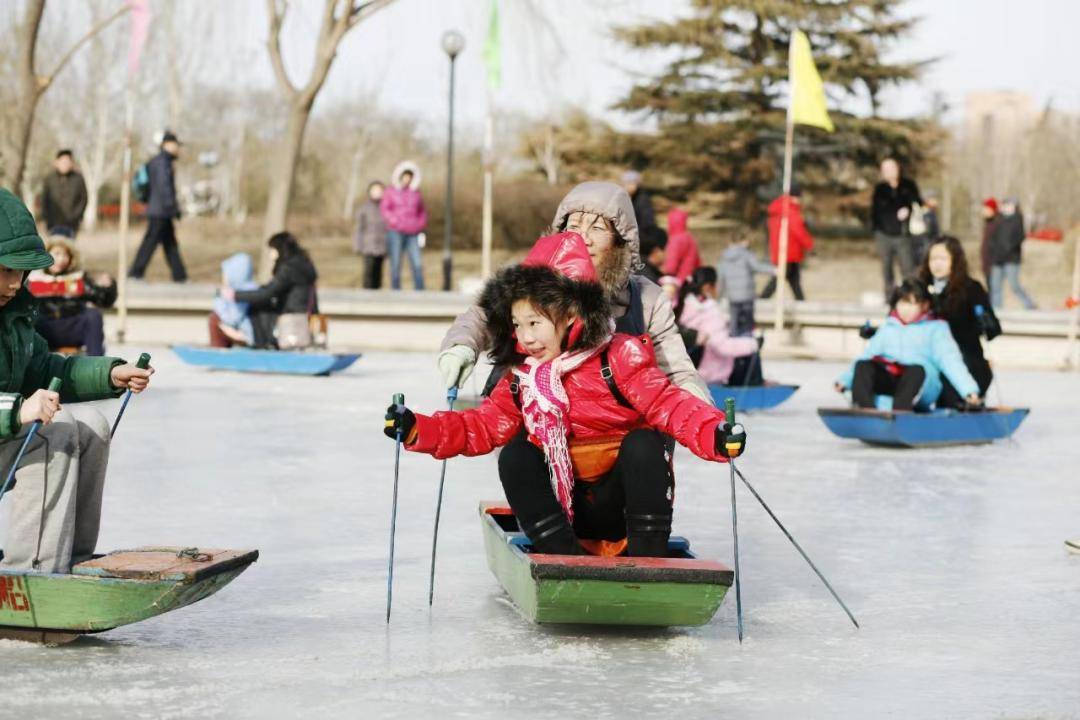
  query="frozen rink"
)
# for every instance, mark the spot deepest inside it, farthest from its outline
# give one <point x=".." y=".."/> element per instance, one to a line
<point x="952" y="560"/>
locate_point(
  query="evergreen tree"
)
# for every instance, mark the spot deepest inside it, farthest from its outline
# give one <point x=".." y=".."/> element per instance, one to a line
<point x="720" y="105"/>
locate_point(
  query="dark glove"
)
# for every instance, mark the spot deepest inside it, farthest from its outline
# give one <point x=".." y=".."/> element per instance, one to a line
<point x="760" y="341"/>
<point x="399" y="419"/>
<point x="867" y="330"/>
<point x="730" y="440"/>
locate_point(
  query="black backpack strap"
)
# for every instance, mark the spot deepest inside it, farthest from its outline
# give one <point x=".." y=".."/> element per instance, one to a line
<point x="609" y="378"/>
<point x="515" y="391"/>
<point x="633" y="320"/>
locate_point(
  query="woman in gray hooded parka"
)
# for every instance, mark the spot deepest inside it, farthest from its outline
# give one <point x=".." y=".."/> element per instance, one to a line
<point x="601" y="212"/>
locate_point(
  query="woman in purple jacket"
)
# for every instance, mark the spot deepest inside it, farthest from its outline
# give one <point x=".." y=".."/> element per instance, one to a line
<point x="402" y="209"/>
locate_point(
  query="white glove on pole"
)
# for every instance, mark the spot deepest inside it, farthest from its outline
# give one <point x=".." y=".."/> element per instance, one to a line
<point x="456" y="365"/>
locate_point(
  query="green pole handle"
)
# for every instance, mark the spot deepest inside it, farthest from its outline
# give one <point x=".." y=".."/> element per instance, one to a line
<point x="399" y="398"/>
<point x="143" y="362"/>
<point x="729" y="410"/>
<point x="54" y="384"/>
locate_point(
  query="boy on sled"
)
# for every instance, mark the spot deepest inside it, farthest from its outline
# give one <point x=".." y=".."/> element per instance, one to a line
<point x="54" y="507"/>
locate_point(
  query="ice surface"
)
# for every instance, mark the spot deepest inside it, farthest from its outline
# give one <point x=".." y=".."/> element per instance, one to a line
<point x="951" y="559"/>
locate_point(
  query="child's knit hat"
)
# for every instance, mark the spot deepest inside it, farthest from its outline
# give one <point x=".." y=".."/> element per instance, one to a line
<point x="21" y="247"/>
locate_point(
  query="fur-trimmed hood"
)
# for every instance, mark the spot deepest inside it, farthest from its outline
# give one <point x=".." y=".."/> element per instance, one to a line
<point x="54" y="241"/>
<point x="399" y="170"/>
<point x="612" y="202"/>
<point x="560" y="280"/>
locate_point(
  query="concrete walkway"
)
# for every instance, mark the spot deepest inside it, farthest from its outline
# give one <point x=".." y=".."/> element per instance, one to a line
<point x="164" y="313"/>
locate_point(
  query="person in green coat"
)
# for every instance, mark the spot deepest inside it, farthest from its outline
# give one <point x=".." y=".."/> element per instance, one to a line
<point x="55" y="504"/>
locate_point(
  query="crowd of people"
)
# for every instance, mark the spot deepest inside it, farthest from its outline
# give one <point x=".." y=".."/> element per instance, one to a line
<point x="606" y="339"/>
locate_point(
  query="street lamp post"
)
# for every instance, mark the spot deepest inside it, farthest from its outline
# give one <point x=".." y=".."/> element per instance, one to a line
<point x="453" y="43"/>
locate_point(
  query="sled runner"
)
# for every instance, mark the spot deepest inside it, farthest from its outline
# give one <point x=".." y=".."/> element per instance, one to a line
<point x="672" y="591"/>
<point x="288" y="362"/>
<point x="111" y="590"/>
<point x="933" y="429"/>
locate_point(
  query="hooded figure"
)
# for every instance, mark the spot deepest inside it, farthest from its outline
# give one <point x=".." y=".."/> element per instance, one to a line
<point x="590" y="471"/>
<point x="682" y="257"/>
<point x="238" y="273"/>
<point x="402" y="209"/>
<point x="65" y="293"/>
<point x="638" y="305"/>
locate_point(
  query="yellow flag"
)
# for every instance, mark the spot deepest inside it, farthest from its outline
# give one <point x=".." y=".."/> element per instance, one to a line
<point x="807" y="92"/>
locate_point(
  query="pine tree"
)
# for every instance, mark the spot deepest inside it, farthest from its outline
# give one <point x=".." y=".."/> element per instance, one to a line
<point x="720" y="105"/>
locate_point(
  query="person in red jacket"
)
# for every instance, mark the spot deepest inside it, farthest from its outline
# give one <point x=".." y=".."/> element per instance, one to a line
<point x="590" y="471"/>
<point x="800" y="242"/>
<point x="681" y="256"/>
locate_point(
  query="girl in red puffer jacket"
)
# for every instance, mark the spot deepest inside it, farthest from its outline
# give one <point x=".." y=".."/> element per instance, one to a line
<point x="590" y="471"/>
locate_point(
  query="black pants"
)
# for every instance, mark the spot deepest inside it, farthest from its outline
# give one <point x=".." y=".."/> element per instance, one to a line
<point x="747" y="371"/>
<point x="872" y="379"/>
<point x="83" y="330"/>
<point x="742" y="317"/>
<point x="794" y="279"/>
<point x="263" y="323"/>
<point x="631" y="501"/>
<point x="159" y="231"/>
<point x="373" y="272"/>
<point x="980" y="370"/>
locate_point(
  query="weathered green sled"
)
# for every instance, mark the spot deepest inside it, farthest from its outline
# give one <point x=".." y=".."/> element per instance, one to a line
<point x="111" y="590"/>
<point x="673" y="591"/>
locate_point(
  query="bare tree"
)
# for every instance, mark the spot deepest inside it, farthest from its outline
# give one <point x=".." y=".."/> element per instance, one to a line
<point x="31" y="85"/>
<point x="338" y="17"/>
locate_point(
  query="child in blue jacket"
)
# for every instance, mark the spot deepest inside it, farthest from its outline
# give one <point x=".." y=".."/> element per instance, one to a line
<point x="907" y="357"/>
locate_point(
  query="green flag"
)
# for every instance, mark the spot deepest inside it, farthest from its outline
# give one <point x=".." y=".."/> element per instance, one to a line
<point x="493" y="48"/>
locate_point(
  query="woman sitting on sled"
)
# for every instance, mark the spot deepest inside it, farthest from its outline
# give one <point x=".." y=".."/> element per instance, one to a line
<point x="908" y="357"/>
<point x="591" y="474"/>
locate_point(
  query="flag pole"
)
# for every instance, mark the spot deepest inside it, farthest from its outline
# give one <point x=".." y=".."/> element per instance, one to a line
<point x="125" y="212"/>
<point x="489" y="163"/>
<point x="789" y="142"/>
<point x="1072" y="357"/>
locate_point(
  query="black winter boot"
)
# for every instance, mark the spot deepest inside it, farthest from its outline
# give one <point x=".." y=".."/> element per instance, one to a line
<point x="647" y="535"/>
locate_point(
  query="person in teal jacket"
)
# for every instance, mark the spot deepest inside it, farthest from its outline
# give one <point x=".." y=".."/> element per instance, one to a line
<point x="55" y="503"/>
<point x="907" y="357"/>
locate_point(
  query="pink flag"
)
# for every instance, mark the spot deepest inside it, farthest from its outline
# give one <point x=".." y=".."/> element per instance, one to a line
<point x="140" y="25"/>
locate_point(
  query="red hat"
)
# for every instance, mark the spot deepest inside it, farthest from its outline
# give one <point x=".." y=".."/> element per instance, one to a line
<point x="990" y="203"/>
<point x="565" y="253"/>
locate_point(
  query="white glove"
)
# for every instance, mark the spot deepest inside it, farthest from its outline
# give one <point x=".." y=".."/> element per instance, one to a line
<point x="456" y="365"/>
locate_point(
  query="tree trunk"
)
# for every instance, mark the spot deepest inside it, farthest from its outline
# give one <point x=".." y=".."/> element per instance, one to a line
<point x="30" y="86"/>
<point x="288" y="157"/>
<point x="27" y="97"/>
<point x="351" y="185"/>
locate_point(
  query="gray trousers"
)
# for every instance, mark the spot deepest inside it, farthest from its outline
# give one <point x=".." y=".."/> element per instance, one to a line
<point x="54" y="511"/>
<point x="895" y="248"/>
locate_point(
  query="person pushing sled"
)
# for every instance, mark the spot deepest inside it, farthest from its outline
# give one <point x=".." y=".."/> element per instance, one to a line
<point x="589" y="474"/>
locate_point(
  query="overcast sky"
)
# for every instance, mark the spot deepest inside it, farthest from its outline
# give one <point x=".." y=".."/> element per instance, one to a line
<point x="1026" y="45"/>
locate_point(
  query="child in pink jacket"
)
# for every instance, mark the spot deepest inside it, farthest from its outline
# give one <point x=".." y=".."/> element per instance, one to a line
<point x="681" y="256"/>
<point x="698" y="310"/>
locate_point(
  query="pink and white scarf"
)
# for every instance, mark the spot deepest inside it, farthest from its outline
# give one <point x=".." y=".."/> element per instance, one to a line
<point x="545" y="408"/>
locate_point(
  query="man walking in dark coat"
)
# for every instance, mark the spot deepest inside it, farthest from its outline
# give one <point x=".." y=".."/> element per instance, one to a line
<point x="161" y="209"/>
<point x="889" y="214"/>
<point x="640" y="199"/>
<point x="63" y="199"/>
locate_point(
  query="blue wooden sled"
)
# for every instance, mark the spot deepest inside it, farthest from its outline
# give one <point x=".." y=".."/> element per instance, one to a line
<point x="752" y="397"/>
<point x="913" y="430"/>
<point x="288" y="362"/>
